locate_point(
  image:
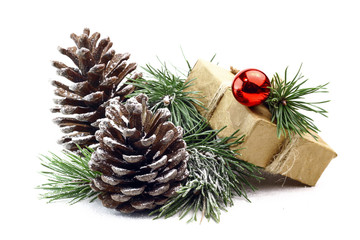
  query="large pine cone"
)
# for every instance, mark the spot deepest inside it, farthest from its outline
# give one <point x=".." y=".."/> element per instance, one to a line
<point x="142" y="157"/>
<point x="100" y="75"/>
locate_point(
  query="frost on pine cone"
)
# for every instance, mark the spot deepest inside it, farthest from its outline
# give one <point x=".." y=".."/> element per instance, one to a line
<point x="100" y="75"/>
<point x="142" y="156"/>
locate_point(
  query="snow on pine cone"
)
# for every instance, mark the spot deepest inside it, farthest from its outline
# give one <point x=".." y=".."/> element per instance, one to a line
<point x="142" y="156"/>
<point x="100" y="75"/>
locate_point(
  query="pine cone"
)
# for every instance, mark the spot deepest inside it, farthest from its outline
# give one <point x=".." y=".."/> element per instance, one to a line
<point x="100" y="75"/>
<point x="142" y="157"/>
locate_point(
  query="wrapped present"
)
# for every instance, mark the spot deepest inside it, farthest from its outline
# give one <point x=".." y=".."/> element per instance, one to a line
<point x="303" y="158"/>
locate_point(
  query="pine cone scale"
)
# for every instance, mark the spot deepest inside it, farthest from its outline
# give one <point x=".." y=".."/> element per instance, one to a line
<point x="100" y="154"/>
<point x="70" y="52"/>
<point x="71" y="74"/>
<point x="118" y="197"/>
<point x="159" y="163"/>
<point x="116" y="65"/>
<point x="147" y="177"/>
<point x="167" y="176"/>
<point x="125" y="208"/>
<point x="108" y="202"/>
<point x="159" y="189"/>
<point x="120" y="172"/>
<point x="126" y="90"/>
<point x="173" y="189"/>
<point x="141" y="204"/>
<point x="132" y="191"/>
<point x="133" y="158"/>
<point x="68" y="109"/>
<point x="107" y="57"/>
<point x="86" y="60"/>
<point x="100" y="48"/>
<point x="59" y="65"/>
<point x="128" y="69"/>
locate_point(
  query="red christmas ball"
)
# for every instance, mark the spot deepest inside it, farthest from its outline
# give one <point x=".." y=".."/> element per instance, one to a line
<point x="250" y="87"/>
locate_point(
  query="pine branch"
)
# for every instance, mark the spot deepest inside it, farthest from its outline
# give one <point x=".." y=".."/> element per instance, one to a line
<point x="285" y="101"/>
<point x="68" y="177"/>
<point x="167" y="89"/>
<point x="216" y="176"/>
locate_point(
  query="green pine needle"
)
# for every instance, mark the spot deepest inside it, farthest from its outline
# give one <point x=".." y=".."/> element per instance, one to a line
<point x="167" y="89"/>
<point x="69" y="177"/>
<point x="285" y="101"/>
<point x="216" y="176"/>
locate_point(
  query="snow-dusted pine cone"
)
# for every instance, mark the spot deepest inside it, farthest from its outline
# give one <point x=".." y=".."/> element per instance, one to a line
<point x="142" y="157"/>
<point x="100" y="74"/>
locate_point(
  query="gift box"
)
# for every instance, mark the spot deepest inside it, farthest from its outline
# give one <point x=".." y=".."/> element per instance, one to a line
<point x="302" y="158"/>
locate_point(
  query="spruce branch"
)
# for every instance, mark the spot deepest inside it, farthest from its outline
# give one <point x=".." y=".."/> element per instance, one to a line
<point x="69" y="177"/>
<point x="216" y="176"/>
<point x="285" y="101"/>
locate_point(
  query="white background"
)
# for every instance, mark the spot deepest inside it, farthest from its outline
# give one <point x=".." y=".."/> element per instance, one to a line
<point x="268" y="35"/>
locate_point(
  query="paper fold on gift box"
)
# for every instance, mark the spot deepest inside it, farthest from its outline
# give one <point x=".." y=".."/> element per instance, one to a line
<point x="302" y="159"/>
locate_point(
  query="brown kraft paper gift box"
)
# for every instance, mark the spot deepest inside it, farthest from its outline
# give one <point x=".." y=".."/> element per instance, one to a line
<point x="302" y="159"/>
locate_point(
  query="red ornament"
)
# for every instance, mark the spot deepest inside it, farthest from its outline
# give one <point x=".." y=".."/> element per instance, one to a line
<point x="250" y="87"/>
